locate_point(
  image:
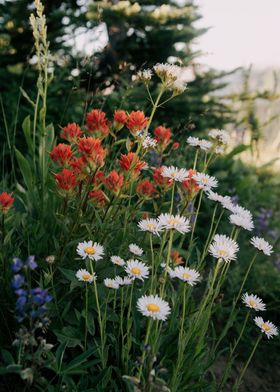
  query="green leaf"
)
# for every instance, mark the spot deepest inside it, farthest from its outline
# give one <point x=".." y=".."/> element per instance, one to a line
<point x="49" y="137"/>
<point x="26" y="96"/>
<point x="70" y="335"/>
<point x="237" y="150"/>
<point x="26" y="127"/>
<point x="7" y="357"/>
<point x="25" y="170"/>
<point x="79" y="361"/>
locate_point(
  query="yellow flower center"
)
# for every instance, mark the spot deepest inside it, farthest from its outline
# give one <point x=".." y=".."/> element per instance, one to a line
<point x="222" y="252"/>
<point x="151" y="226"/>
<point x="266" y="327"/>
<point x="173" y="174"/>
<point x="90" y="250"/>
<point x="86" y="276"/>
<point x="173" y="221"/>
<point x="136" y="271"/>
<point x="153" y="308"/>
<point x="186" y="275"/>
<point x="252" y="303"/>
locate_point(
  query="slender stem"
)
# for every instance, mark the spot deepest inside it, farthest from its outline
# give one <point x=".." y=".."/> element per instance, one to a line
<point x="86" y="316"/>
<point x="145" y="348"/>
<point x="229" y="362"/>
<point x="55" y="296"/>
<point x="243" y="371"/>
<point x="172" y="198"/>
<point x="167" y="262"/>
<point x="245" y="279"/>
<point x="153" y="261"/>
<point x="195" y="159"/>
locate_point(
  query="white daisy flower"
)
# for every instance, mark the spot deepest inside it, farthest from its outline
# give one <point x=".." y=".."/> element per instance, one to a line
<point x="241" y="211"/>
<point x="186" y="274"/>
<point x="117" y="260"/>
<point x="220" y="135"/>
<point x="193" y="141"/>
<point x="84" y="276"/>
<point x="93" y="251"/>
<point x="174" y="173"/>
<point x="150" y="225"/>
<point x="205" y="181"/>
<point x="135" y="249"/>
<point x="262" y="244"/>
<point x="125" y="281"/>
<point x="176" y="222"/>
<point x="253" y="302"/>
<point x="223" y="248"/>
<point x="111" y="283"/>
<point x="153" y="306"/>
<point x="227" y="203"/>
<point x="266" y="327"/>
<point x="205" y="144"/>
<point x="137" y="269"/>
<point x="214" y="196"/>
<point x="220" y="150"/>
<point x="241" y="221"/>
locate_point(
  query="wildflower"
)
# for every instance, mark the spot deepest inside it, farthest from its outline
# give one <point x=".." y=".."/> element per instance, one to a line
<point x="50" y="259"/>
<point x="117" y="260"/>
<point x="243" y="212"/>
<point x="193" y="141"/>
<point x="149" y="143"/>
<point x="137" y="270"/>
<point x="97" y="123"/>
<point x="79" y="167"/>
<point x="125" y="281"/>
<point x="175" y="146"/>
<point x="220" y="150"/>
<point x="17" y="264"/>
<point x="145" y="75"/>
<point x="150" y="225"/>
<point x="244" y="222"/>
<point x="223" y="248"/>
<point x="120" y="118"/>
<point x="72" y="132"/>
<point x="163" y="136"/>
<point x="114" y="181"/>
<point x="174" y="222"/>
<point x="190" y="185"/>
<point x="145" y="188"/>
<point x="111" y="283"/>
<point x="262" y="244"/>
<point x="174" y="173"/>
<point x="205" y="181"/>
<point x="266" y="327"/>
<point x="136" y="121"/>
<point x="93" y="251"/>
<point x="253" y="302"/>
<point x="186" y="274"/>
<point x="66" y="180"/>
<point x="159" y="179"/>
<point x="17" y="282"/>
<point x="61" y="154"/>
<point x="168" y="73"/>
<point x="98" y="198"/>
<point x="84" y="276"/>
<point x="153" y="306"/>
<point x="176" y="257"/>
<point x="205" y="144"/>
<point x="220" y="135"/>
<point x="6" y="202"/>
<point x="131" y="162"/>
<point x="135" y="249"/>
<point x="92" y="151"/>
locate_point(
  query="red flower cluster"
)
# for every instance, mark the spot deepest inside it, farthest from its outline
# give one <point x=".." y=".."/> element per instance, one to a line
<point x="66" y="180"/>
<point x="190" y="185"/>
<point x="120" y="119"/>
<point x="176" y="257"/>
<point x="131" y="162"/>
<point x="136" y="121"/>
<point x="98" y="198"/>
<point x="163" y="136"/>
<point x="114" y="181"/>
<point x="97" y="123"/>
<point x="71" y="133"/>
<point x="61" y="154"/>
<point x="6" y="202"/>
<point x="92" y="151"/>
<point x="159" y="180"/>
<point x="145" y="188"/>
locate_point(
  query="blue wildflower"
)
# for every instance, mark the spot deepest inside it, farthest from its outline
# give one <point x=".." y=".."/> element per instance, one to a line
<point x="17" y="281"/>
<point x="17" y="264"/>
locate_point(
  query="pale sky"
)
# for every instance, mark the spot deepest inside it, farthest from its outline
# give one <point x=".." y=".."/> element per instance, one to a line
<point x="243" y="32"/>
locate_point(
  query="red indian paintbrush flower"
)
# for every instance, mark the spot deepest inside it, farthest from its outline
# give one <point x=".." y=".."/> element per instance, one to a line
<point x="99" y="178"/>
<point x="6" y="202"/>
<point x="130" y="162"/>
<point x="92" y="151"/>
<point x="98" y="198"/>
<point x="190" y="185"/>
<point x="114" y="181"/>
<point x="97" y="123"/>
<point x="120" y="119"/>
<point x="175" y="146"/>
<point x="176" y="257"/>
<point x="159" y="179"/>
<point x="66" y="180"/>
<point x="61" y="154"/>
<point x="162" y="136"/>
<point x="136" y="121"/>
<point x="72" y="132"/>
<point x="146" y="188"/>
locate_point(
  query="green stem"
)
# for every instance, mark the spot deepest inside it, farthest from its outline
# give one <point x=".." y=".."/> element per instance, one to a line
<point x="239" y="380"/>
<point x="195" y="159"/>
<point x="145" y="348"/>
<point x="86" y="316"/>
